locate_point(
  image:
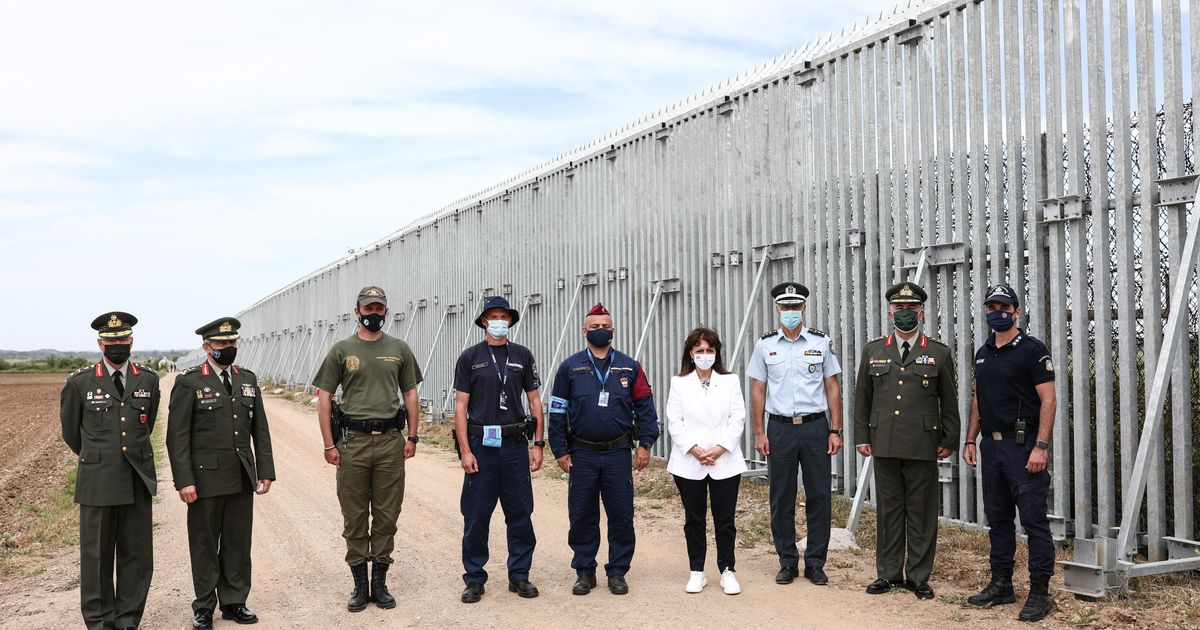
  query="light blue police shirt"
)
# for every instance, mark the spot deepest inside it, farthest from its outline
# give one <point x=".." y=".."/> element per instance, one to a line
<point x="794" y="371"/>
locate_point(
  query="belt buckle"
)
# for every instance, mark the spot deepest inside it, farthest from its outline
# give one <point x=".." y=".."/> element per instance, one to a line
<point x="797" y="419"/>
<point x="996" y="435"/>
<point x="376" y="428"/>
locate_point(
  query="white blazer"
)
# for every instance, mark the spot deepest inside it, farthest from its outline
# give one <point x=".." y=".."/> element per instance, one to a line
<point x="704" y="418"/>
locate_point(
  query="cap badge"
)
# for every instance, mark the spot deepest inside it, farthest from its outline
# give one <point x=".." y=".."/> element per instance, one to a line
<point x="906" y="290"/>
<point x="372" y="292"/>
<point x="114" y="321"/>
<point x="790" y="289"/>
<point x="225" y="327"/>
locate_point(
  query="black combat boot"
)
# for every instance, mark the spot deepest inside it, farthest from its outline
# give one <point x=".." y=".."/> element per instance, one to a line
<point x="998" y="591"/>
<point x="379" y="590"/>
<point x="361" y="595"/>
<point x="1039" y="603"/>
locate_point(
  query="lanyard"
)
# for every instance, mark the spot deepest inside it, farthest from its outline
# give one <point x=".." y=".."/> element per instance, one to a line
<point x="596" y="368"/>
<point x="503" y="378"/>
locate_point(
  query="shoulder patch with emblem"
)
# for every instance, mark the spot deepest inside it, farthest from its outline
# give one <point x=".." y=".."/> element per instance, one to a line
<point x="770" y="333"/>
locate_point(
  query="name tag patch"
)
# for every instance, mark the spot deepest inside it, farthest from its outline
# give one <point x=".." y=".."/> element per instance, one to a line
<point x="880" y="361"/>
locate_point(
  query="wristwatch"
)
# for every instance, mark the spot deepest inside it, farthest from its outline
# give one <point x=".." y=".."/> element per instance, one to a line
<point x="414" y="438"/>
<point x="837" y="432"/>
<point x="1042" y="445"/>
<point x="539" y="443"/>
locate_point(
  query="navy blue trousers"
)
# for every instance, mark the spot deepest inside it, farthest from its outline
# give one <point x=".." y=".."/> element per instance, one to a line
<point x="503" y="475"/>
<point x="1008" y="489"/>
<point x="800" y="449"/>
<point x="606" y="476"/>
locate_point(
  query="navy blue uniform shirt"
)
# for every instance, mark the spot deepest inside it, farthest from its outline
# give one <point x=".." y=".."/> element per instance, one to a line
<point x="1005" y="381"/>
<point x="481" y="372"/>
<point x="576" y="396"/>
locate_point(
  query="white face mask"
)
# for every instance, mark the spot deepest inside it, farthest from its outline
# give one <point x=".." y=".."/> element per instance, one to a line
<point x="704" y="361"/>
<point x="497" y="328"/>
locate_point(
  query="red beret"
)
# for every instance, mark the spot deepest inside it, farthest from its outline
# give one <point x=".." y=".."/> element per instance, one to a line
<point x="598" y="309"/>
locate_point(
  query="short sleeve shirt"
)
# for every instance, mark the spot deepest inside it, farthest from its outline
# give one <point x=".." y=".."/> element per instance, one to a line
<point x="484" y="371"/>
<point x="794" y="371"/>
<point x="1006" y="380"/>
<point x="371" y="374"/>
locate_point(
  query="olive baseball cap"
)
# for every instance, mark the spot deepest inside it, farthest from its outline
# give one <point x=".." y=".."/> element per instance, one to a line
<point x="371" y="294"/>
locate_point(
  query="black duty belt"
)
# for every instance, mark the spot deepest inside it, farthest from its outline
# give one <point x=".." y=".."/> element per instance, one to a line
<point x="812" y="417"/>
<point x="1001" y="435"/>
<point x="374" y="427"/>
<point x="620" y="442"/>
<point x="506" y="430"/>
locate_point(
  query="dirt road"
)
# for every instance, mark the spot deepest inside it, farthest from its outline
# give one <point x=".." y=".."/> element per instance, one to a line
<point x="301" y="582"/>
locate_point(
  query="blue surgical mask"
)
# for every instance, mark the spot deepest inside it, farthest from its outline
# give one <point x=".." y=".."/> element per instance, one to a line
<point x="1000" y="321"/>
<point x="497" y="328"/>
<point x="791" y="319"/>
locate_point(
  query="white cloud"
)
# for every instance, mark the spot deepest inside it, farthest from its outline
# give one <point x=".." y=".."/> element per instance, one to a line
<point x="168" y="134"/>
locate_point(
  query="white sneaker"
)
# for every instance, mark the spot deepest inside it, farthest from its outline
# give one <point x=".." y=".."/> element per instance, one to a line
<point x="697" y="582"/>
<point x="729" y="582"/>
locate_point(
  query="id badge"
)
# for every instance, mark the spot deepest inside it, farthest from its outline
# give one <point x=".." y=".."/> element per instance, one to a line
<point x="491" y="436"/>
<point x="603" y="402"/>
<point x="503" y="401"/>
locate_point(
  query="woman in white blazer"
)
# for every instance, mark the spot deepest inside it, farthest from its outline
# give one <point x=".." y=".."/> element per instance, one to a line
<point x="705" y="418"/>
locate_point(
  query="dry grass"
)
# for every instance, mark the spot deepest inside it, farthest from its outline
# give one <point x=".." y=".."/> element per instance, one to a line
<point x="52" y="527"/>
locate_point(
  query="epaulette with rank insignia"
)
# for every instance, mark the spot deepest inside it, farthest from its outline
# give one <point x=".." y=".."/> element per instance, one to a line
<point x="245" y="369"/>
<point x="937" y="341"/>
<point x="819" y="333"/>
<point x="189" y="370"/>
<point x="770" y="333"/>
<point x="86" y="368"/>
<point x="143" y="366"/>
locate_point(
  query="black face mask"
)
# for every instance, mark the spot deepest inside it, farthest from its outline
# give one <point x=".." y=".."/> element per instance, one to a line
<point x="600" y="337"/>
<point x="117" y="354"/>
<point x="225" y="356"/>
<point x="372" y="322"/>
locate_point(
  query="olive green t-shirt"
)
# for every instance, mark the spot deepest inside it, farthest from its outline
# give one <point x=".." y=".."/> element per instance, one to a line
<point x="372" y="375"/>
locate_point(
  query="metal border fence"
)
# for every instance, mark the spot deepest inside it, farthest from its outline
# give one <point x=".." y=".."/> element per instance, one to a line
<point x="961" y="143"/>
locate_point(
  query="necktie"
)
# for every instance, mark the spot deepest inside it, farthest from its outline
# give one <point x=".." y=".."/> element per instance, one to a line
<point x="904" y="351"/>
<point x="119" y="384"/>
<point x="225" y="379"/>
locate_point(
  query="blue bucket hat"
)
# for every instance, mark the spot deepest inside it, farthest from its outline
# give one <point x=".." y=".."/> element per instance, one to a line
<point x="496" y="301"/>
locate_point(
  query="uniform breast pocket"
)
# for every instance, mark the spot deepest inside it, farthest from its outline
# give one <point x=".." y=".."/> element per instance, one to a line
<point x="95" y="410"/>
<point x="879" y="377"/>
<point x="247" y="406"/>
<point x="141" y="408"/>
<point x="929" y="378"/>
<point x="776" y="364"/>
<point x="812" y="366"/>
<point x="206" y="405"/>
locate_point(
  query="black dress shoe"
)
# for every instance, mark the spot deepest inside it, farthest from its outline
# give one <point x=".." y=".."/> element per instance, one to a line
<point x="522" y="588"/>
<point x="617" y="585"/>
<point x="786" y="575"/>
<point x="879" y="587"/>
<point x="472" y="594"/>
<point x="238" y="613"/>
<point x="202" y="620"/>
<point x="922" y="590"/>
<point x="584" y="585"/>
<point x="816" y="575"/>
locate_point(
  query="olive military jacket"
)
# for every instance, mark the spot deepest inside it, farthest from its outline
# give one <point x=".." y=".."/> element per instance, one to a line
<point x="110" y="433"/>
<point x="906" y="409"/>
<point x="209" y="432"/>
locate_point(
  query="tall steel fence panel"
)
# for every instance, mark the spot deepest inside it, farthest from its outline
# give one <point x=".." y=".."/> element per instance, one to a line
<point x="1045" y="143"/>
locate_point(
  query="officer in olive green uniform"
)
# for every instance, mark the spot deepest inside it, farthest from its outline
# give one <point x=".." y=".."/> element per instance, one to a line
<point x="906" y="416"/>
<point x="107" y="412"/>
<point x="372" y="369"/>
<point x="216" y="412"/>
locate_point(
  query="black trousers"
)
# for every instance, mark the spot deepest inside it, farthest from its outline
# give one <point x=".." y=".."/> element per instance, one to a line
<point x="800" y="449"/>
<point x="695" y="496"/>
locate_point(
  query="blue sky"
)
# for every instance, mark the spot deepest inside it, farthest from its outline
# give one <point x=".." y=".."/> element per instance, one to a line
<point x="181" y="160"/>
